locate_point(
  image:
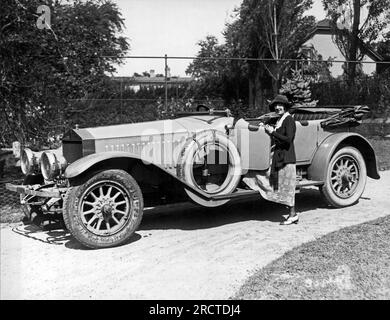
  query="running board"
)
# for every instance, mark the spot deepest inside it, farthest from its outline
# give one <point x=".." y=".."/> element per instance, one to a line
<point x="246" y="193"/>
<point x="236" y="194"/>
<point x="308" y="183"/>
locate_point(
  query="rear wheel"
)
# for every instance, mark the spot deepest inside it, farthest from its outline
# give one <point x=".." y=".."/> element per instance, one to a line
<point x="346" y="178"/>
<point x="105" y="210"/>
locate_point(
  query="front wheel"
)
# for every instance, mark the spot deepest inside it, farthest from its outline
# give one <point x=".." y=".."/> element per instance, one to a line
<point x="105" y="210"/>
<point x="346" y="178"/>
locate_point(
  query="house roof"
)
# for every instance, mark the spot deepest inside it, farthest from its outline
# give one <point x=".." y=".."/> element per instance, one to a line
<point x="153" y="80"/>
<point x="325" y="27"/>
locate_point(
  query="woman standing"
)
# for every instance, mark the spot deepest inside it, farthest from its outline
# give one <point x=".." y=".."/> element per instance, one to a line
<point x="279" y="182"/>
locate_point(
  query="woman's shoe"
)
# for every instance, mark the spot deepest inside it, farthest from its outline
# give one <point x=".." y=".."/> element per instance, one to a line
<point x="290" y="220"/>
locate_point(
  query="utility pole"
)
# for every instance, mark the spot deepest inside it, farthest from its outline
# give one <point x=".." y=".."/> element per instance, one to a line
<point x="166" y="84"/>
<point x="276" y="35"/>
<point x="276" y="46"/>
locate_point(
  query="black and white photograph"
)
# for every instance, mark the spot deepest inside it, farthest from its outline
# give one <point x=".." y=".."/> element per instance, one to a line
<point x="172" y="151"/>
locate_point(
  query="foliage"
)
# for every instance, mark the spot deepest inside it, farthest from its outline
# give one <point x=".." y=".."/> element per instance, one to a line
<point x="353" y="30"/>
<point x="208" y="73"/>
<point x="44" y="70"/>
<point x="384" y="98"/>
<point x="219" y="77"/>
<point x="318" y="70"/>
<point x="371" y="91"/>
<point x="383" y="47"/>
<point x="297" y="89"/>
<point x="262" y="19"/>
<point x="251" y="35"/>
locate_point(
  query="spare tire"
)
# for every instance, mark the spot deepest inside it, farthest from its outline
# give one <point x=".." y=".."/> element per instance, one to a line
<point x="210" y="162"/>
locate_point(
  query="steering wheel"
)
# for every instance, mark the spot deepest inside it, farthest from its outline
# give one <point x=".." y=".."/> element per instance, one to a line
<point x="202" y="106"/>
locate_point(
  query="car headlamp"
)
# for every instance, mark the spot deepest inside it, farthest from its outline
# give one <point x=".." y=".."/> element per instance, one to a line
<point x="29" y="161"/>
<point x="52" y="165"/>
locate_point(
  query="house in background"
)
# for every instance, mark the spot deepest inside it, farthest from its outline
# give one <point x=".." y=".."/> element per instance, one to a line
<point x="152" y="81"/>
<point x="320" y="42"/>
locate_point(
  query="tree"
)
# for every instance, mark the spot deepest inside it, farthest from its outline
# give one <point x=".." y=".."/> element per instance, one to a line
<point x="356" y="22"/>
<point x="318" y="70"/>
<point x="43" y="71"/>
<point x="251" y="34"/>
<point x="275" y="29"/>
<point x="208" y="73"/>
<point x="383" y="48"/>
<point x="297" y="89"/>
<point x="219" y="77"/>
<point x="242" y="44"/>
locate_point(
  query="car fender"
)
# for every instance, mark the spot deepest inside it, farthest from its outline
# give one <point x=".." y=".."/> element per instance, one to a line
<point x="318" y="167"/>
<point x="81" y="165"/>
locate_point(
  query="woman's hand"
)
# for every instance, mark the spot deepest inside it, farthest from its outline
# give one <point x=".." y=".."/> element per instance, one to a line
<point x="269" y="128"/>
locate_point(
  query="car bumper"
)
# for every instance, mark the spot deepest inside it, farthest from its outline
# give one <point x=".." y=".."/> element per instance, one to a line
<point x="36" y="190"/>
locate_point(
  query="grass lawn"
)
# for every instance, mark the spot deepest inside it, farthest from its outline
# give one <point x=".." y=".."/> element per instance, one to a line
<point x="11" y="214"/>
<point x="10" y="210"/>
<point x="352" y="263"/>
<point x="382" y="152"/>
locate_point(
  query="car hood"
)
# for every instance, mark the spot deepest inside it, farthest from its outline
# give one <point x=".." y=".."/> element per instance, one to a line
<point x="78" y="143"/>
<point x="180" y="125"/>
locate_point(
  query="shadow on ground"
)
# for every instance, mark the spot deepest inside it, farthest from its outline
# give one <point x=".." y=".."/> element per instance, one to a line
<point x="257" y="209"/>
<point x="55" y="233"/>
<point x="184" y="217"/>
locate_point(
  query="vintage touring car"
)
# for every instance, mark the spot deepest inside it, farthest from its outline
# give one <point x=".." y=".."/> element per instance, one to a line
<point x="102" y="178"/>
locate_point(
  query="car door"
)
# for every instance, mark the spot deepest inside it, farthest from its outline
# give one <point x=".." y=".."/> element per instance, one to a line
<point x="254" y="146"/>
<point x="305" y="142"/>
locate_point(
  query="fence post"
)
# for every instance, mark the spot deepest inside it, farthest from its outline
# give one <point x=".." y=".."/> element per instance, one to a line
<point x="166" y="83"/>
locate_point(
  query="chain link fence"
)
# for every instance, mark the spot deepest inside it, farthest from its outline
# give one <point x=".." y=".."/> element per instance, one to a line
<point x="146" y="98"/>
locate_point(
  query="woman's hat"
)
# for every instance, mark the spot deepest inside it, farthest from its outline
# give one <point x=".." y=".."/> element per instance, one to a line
<point x="280" y="99"/>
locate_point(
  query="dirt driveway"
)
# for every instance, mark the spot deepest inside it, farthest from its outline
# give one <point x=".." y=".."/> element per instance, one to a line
<point x="184" y="253"/>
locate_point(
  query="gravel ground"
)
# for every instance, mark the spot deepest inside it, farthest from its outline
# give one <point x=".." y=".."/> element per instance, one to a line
<point x="184" y="253"/>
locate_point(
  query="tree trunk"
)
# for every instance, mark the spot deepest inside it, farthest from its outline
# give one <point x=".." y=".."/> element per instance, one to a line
<point x="251" y="99"/>
<point x="256" y="90"/>
<point x="354" y="42"/>
<point x="276" y="78"/>
<point x="252" y="72"/>
<point x="259" y="94"/>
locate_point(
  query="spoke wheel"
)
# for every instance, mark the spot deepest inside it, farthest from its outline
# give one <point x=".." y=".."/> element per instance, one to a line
<point x="346" y="178"/>
<point x="104" y="210"/>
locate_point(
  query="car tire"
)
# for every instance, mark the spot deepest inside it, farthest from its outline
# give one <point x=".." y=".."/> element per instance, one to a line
<point x="104" y="210"/>
<point x="346" y="178"/>
<point x="187" y="160"/>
